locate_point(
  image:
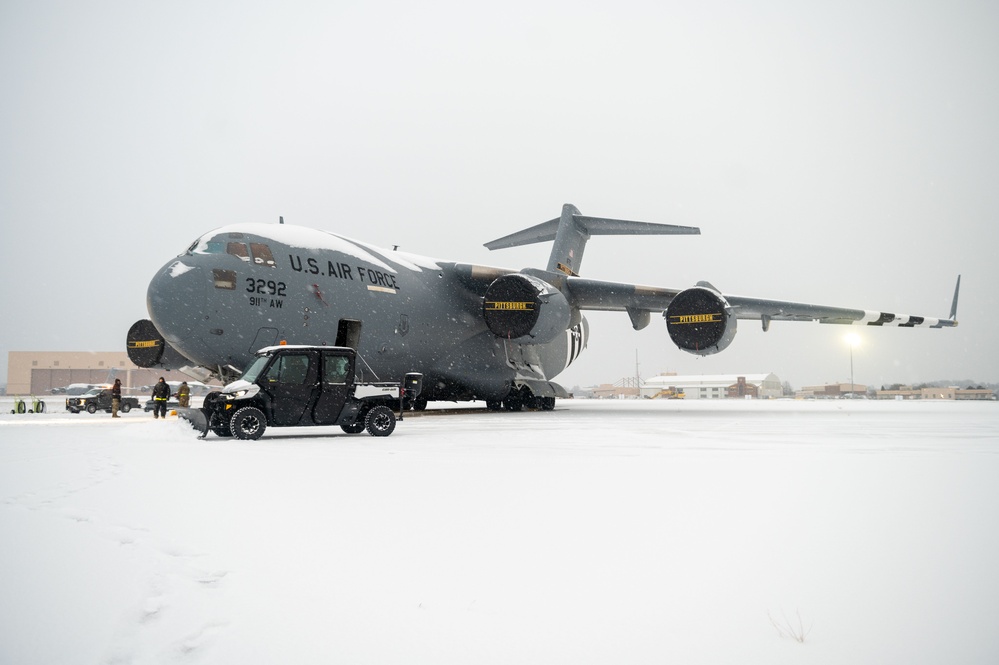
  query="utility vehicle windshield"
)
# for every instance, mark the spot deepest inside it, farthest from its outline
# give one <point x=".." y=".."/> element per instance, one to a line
<point x="253" y="371"/>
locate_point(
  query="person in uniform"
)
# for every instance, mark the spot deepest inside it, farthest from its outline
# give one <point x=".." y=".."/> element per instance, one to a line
<point x="161" y="393"/>
<point x="115" y="398"/>
<point x="184" y="395"/>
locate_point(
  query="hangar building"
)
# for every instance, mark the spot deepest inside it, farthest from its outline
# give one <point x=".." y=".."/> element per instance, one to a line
<point x="39" y="372"/>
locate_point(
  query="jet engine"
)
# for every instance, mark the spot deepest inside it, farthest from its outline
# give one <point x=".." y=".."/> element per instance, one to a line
<point x="700" y="321"/>
<point x="525" y="309"/>
<point x="147" y="348"/>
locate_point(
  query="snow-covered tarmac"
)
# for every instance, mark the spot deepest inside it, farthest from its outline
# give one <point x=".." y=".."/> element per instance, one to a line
<point x="602" y="532"/>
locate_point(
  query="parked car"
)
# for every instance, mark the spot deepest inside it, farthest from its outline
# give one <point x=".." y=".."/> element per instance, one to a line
<point x="98" y="399"/>
<point x="151" y="404"/>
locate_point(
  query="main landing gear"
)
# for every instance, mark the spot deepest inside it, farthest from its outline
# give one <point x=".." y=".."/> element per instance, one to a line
<point x="520" y="399"/>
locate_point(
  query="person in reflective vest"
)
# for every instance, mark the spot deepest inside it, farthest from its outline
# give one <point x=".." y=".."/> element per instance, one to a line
<point x="184" y="395"/>
<point x="161" y="393"/>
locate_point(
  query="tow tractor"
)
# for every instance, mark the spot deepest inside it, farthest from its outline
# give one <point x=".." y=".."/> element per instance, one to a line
<point x="301" y="386"/>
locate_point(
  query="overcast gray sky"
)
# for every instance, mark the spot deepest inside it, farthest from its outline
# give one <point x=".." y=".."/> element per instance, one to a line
<point x="841" y="153"/>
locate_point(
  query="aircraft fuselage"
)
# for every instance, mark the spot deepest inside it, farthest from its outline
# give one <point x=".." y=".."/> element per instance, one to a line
<point x="244" y="287"/>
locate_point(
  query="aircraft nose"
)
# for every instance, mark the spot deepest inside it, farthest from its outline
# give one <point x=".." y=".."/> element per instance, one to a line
<point x="176" y="300"/>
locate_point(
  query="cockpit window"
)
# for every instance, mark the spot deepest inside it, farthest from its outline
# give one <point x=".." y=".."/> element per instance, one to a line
<point x="205" y="246"/>
<point x="234" y="244"/>
<point x="262" y="254"/>
<point x="238" y="249"/>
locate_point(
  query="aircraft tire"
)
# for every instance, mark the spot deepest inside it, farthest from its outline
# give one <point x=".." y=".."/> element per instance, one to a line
<point x="547" y="403"/>
<point x="380" y="421"/>
<point x="494" y="405"/>
<point x="248" y="423"/>
<point x="91" y="408"/>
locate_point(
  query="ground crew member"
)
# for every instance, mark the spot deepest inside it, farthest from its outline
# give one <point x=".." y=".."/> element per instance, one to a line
<point x="161" y="392"/>
<point x="115" y="398"/>
<point x="184" y="394"/>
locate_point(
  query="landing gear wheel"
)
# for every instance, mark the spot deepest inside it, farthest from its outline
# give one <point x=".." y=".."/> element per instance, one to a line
<point x="547" y="403"/>
<point x="248" y="423"/>
<point x="91" y="408"/>
<point x="380" y="421"/>
<point x="354" y="427"/>
<point x="518" y="399"/>
<point x="494" y="404"/>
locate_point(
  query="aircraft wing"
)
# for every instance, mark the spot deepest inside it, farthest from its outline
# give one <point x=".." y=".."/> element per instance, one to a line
<point x="640" y="301"/>
<point x="635" y="299"/>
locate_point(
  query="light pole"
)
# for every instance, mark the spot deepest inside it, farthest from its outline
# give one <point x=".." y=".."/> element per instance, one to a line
<point x="853" y="340"/>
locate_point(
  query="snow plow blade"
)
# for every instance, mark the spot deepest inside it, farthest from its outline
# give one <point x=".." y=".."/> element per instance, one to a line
<point x="197" y="419"/>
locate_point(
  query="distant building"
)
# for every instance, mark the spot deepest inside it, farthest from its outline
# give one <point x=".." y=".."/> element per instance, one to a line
<point x="41" y="372"/>
<point x="716" y="386"/>
<point x="936" y="393"/>
<point x="614" y="391"/>
<point x="832" y="390"/>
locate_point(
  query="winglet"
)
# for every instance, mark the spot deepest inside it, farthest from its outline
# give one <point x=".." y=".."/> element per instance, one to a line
<point x="953" y="307"/>
<point x="571" y="231"/>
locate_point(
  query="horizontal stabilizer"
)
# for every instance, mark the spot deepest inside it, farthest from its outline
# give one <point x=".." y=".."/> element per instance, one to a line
<point x="571" y="231"/>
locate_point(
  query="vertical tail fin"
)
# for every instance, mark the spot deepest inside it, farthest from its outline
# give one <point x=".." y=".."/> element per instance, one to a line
<point x="571" y="231"/>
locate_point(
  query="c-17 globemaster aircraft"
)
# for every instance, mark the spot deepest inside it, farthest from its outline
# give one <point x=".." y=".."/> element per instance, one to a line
<point x="475" y="332"/>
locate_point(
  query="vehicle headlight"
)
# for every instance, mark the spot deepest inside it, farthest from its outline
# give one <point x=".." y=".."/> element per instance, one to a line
<point x="238" y="393"/>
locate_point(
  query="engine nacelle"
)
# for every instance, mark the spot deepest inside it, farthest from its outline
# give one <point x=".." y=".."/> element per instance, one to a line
<point x="147" y="348"/>
<point x="700" y="321"/>
<point x="525" y="309"/>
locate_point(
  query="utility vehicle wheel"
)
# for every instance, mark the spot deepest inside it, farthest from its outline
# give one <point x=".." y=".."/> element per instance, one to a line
<point x="125" y="408"/>
<point x="420" y="404"/>
<point x="248" y="423"/>
<point x="220" y="426"/>
<point x="353" y="428"/>
<point x="380" y="421"/>
<point x="91" y="408"/>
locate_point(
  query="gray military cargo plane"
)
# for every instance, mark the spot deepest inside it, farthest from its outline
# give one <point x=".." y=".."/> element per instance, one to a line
<point x="475" y="332"/>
